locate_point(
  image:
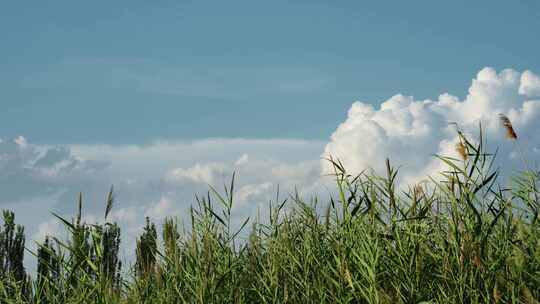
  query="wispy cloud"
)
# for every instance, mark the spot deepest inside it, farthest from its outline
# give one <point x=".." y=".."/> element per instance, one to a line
<point x="181" y="79"/>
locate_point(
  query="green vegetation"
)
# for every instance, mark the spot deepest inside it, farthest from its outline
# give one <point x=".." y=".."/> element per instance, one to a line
<point x="462" y="239"/>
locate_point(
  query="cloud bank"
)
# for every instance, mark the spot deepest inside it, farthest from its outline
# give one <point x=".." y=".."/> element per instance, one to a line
<point x="156" y="180"/>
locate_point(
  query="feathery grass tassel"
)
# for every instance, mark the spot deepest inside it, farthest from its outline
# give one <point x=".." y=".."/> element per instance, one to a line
<point x="507" y="124"/>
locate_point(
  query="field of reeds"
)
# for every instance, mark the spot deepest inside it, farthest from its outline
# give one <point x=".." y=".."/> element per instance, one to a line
<point x="465" y="236"/>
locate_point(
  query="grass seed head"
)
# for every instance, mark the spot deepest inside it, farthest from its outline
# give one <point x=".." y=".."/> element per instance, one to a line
<point x="507" y="124"/>
<point x="462" y="150"/>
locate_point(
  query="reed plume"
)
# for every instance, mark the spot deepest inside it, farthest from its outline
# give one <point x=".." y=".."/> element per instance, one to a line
<point x="511" y="134"/>
<point x="507" y="124"/>
<point x="461" y="150"/>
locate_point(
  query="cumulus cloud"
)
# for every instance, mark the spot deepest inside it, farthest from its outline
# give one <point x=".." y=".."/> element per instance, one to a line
<point x="200" y="173"/>
<point x="530" y="84"/>
<point x="410" y="131"/>
<point x="126" y="215"/>
<point x="258" y="178"/>
<point x="47" y="228"/>
<point x="160" y="209"/>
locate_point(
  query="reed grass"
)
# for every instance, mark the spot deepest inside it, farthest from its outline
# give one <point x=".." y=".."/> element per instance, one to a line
<point x="458" y="238"/>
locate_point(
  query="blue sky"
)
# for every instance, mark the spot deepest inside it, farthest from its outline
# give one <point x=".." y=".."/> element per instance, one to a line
<point x="134" y="71"/>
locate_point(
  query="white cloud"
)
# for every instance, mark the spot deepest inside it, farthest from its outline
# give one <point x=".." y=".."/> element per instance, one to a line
<point x="410" y="131"/>
<point x="47" y="228"/>
<point x="200" y="173"/>
<point x="530" y="84"/>
<point x="126" y="215"/>
<point x="242" y="160"/>
<point x="160" y="209"/>
<point x="21" y="141"/>
<point x="253" y="192"/>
